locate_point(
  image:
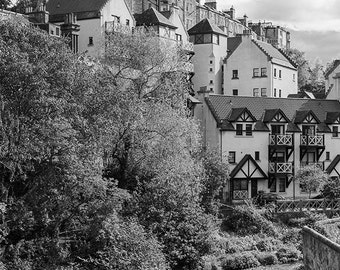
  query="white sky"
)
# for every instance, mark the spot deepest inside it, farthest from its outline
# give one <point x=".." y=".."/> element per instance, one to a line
<point x="314" y="24"/>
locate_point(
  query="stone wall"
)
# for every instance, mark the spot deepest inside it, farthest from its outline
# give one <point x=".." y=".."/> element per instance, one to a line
<point x="319" y="252"/>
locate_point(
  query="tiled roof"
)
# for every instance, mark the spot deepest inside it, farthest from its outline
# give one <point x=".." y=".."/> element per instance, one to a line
<point x="152" y="17"/>
<point x="227" y="126"/>
<point x="236" y="113"/>
<point x="332" y="68"/>
<point x="323" y="128"/>
<point x="301" y="115"/>
<point x="270" y="113"/>
<point x="61" y="7"/>
<point x="233" y="43"/>
<point x="331" y="117"/>
<point x="291" y="127"/>
<point x="206" y="26"/>
<point x="274" y="53"/>
<point x="260" y="126"/>
<point x="221" y="106"/>
<point x="333" y="164"/>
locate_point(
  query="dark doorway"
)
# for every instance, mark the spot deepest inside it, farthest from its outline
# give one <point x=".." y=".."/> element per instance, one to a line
<point x="253" y="188"/>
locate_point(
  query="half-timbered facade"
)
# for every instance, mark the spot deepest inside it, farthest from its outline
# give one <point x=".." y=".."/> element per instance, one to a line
<point x="267" y="140"/>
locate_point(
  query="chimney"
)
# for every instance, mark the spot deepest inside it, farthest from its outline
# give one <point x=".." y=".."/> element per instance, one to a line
<point x="231" y="12"/>
<point x="211" y="3"/>
<point x="39" y="14"/>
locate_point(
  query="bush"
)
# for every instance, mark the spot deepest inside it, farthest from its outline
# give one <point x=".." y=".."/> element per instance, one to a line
<point x="245" y="220"/>
<point x="268" y="244"/>
<point x="267" y="258"/>
<point x="211" y="263"/>
<point x="288" y="254"/>
<point x="239" y="261"/>
<point x="293" y="236"/>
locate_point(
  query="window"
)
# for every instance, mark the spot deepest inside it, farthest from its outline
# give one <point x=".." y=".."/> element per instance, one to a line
<point x="207" y="38"/>
<point x="255" y="92"/>
<point x="328" y="156"/>
<point x="239" y="129"/>
<point x="282" y="185"/>
<point x="211" y="82"/>
<point x="210" y="69"/>
<point x="263" y="92"/>
<point x="293" y="77"/>
<point x="235" y="74"/>
<point x="279" y="92"/>
<point x="280" y="74"/>
<point x="256" y="72"/>
<point x="211" y="89"/>
<point x="308" y="130"/>
<point x="263" y="72"/>
<point x="257" y="155"/>
<point x="273" y="186"/>
<point x="90" y="41"/>
<point x="335" y="131"/>
<point x="211" y="62"/>
<point x="52" y="32"/>
<point x="274" y="92"/>
<point x="274" y="72"/>
<point x="178" y="37"/>
<point x="278" y="129"/>
<point x="57" y="31"/>
<point x="199" y="39"/>
<point x="127" y="22"/>
<point x="235" y="92"/>
<point x="249" y="129"/>
<point x="240" y="184"/>
<point x="232" y="157"/>
<point x="216" y="39"/>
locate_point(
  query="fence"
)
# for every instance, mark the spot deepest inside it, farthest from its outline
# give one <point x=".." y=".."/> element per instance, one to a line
<point x="307" y="205"/>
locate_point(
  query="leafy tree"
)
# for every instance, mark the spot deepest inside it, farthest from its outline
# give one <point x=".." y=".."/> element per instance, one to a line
<point x="56" y="203"/>
<point x="311" y="178"/>
<point x="5" y="4"/>
<point x="331" y="189"/>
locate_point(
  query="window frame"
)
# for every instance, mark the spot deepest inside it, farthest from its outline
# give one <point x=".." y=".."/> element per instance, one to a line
<point x="232" y="157"/>
<point x="256" y="72"/>
<point x="256" y="90"/>
<point x="264" y="72"/>
<point x="335" y="132"/>
<point x="257" y="155"/>
<point x="91" y="43"/>
<point x="263" y="95"/>
<point x="235" y="91"/>
<point x="234" y="74"/>
<point x="249" y="130"/>
<point x="239" y="132"/>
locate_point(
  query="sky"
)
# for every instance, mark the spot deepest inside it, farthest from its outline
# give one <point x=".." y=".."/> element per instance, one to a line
<point x="314" y="24"/>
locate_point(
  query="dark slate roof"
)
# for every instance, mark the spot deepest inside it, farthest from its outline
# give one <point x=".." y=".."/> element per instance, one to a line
<point x="84" y="9"/>
<point x="242" y="162"/>
<point x="274" y="53"/>
<point x="233" y="43"/>
<point x="323" y="128"/>
<point x="205" y="26"/>
<point x="332" y="68"/>
<point x="260" y="126"/>
<point x="227" y="126"/>
<point x="333" y="164"/>
<point x="291" y="127"/>
<point x="331" y="117"/>
<point x="301" y="115"/>
<point x="221" y="106"/>
<point x="152" y="17"/>
<point x="236" y="113"/>
<point x="270" y="113"/>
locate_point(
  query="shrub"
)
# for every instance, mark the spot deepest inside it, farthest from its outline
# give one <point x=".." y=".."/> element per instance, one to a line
<point x="268" y="244"/>
<point x="211" y="263"/>
<point x="239" y="261"/>
<point x="288" y="254"/>
<point x="246" y="220"/>
<point x="267" y="258"/>
<point x="293" y="236"/>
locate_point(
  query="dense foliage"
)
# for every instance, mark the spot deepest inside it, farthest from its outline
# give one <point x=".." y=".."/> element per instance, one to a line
<point x="101" y="167"/>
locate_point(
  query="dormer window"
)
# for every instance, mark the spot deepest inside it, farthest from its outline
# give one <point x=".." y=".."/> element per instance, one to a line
<point x="308" y="130"/>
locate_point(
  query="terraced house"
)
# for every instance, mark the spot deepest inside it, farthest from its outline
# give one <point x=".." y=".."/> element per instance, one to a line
<point x="266" y="140"/>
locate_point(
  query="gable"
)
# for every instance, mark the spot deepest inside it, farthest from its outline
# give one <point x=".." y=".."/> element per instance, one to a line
<point x="248" y="168"/>
<point x="241" y="115"/>
<point x="306" y="117"/>
<point x="332" y="118"/>
<point x="276" y="116"/>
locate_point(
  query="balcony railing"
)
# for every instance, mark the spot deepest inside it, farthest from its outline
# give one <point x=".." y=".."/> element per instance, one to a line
<point x="312" y="164"/>
<point x="240" y="194"/>
<point x="187" y="46"/>
<point x="281" y="140"/>
<point x="312" y="140"/>
<point x="114" y="27"/>
<point x="280" y="167"/>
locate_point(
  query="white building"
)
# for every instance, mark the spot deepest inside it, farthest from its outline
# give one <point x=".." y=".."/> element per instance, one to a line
<point x="267" y="140"/>
<point x="256" y="68"/>
<point x="332" y="77"/>
<point x="94" y="18"/>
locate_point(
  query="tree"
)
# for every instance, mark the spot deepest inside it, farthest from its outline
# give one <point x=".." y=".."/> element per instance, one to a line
<point x="55" y="203"/>
<point x="5" y="4"/>
<point x="331" y="189"/>
<point x="311" y="178"/>
<point x="303" y="66"/>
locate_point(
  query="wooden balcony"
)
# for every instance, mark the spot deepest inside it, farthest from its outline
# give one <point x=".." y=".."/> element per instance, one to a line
<point x="317" y="141"/>
<point x="280" y="168"/>
<point x="284" y="140"/>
